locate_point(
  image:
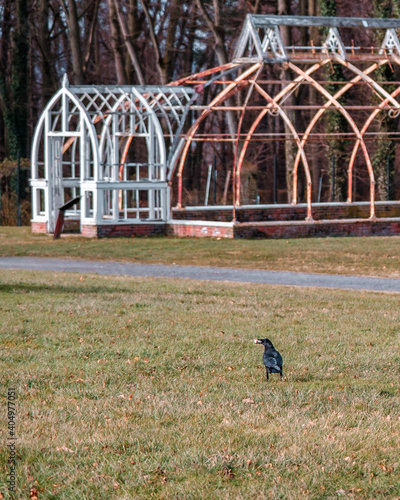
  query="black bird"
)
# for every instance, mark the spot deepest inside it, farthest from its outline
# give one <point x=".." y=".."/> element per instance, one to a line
<point x="272" y="359"/>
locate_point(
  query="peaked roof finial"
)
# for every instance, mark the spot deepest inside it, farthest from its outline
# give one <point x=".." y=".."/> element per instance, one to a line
<point x="65" y="82"/>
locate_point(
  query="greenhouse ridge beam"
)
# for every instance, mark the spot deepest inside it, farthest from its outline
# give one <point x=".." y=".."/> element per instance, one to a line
<point x="260" y="21"/>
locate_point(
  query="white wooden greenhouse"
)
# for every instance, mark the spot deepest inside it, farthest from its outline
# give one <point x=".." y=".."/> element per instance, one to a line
<point x="110" y="146"/>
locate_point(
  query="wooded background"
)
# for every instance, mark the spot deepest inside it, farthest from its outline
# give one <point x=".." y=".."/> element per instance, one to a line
<point x="120" y="42"/>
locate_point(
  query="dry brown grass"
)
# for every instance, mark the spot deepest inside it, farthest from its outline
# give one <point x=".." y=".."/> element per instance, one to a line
<point x="133" y="388"/>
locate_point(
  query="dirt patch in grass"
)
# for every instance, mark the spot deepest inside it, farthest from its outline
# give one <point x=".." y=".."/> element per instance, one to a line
<point x="132" y="388"/>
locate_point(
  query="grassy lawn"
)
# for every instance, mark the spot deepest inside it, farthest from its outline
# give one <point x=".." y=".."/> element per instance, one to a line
<point x="371" y="256"/>
<point x="139" y="388"/>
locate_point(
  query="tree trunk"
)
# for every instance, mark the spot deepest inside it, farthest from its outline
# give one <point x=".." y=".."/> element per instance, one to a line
<point x="5" y="63"/>
<point x="169" y="54"/>
<point x="116" y="43"/>
<point x="129" y="44"/>
<point x="19" y="84"/>
<point x="290" y="145"/>
<point x="71" y="12"/>
<point x="44" y="43"/>
<point x="156" y="46"/>
<point x="220" y="51"/>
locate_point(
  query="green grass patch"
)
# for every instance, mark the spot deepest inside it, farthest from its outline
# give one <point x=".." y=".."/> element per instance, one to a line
<point x="373" y="256"/>
<point x="141" y="388"/>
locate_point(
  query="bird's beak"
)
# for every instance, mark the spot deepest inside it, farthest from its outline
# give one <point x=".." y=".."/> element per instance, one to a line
<point x="257" y="341"/>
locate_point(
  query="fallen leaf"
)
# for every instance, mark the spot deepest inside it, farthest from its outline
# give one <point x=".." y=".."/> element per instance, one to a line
<point x="64" y="448"/>
<point x="248" y="401"/>
<point x="33" y="494"/>
<point x="228" y="472"/>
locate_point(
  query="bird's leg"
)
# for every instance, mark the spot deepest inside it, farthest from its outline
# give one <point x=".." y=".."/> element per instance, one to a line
<point x="266" y="369"/>
<point x="281" y="375"/>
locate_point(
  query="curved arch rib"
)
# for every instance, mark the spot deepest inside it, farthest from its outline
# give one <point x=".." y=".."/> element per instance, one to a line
<point x="325" y="106"/>
<point x="230" y="90"/>
<point x="352" y="124"/>
<point x="378" y="89"/>
<point x="270" y="106"/>
<point x="296" y="137"/>
<point x="236" y="192"/>
<point x="203" y="74"/>
<point x="357" y="144"/>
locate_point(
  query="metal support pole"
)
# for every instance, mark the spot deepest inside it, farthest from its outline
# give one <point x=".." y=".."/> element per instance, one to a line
<point x="215" y="173"/>
<point x="228" y="176"/>
<point x="320" y="188"/>
<point x="388" y="176"/>
<point x="208" y="184"/>
<point x="18" y="190"/>
<point x="275" y="179"/>
<point x="333" y="178"/>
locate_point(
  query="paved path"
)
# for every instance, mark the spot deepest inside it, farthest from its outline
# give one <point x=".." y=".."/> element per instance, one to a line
<point x="203" y="273"/>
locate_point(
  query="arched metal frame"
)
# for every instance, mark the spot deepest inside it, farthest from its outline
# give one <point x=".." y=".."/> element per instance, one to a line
<point x="89" y="138"/>
<point x="95" y="129"/>
<point x="260" y="44"/>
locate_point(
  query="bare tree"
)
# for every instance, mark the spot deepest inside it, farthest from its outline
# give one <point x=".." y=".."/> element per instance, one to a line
<point x="116" y="43"/>
<point x="71" y="12"/>
<point x="128" y="40"/>
<point x="13" y="76"/>
<point x="164" y="59"/>
<point x="42" y="34"/>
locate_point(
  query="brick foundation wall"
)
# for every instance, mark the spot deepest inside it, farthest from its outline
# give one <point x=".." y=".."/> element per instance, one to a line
<point x="318" y="229"/>
<point x="126" y="230"/>
<point x="89" y="231"/>
<point x="270" y="213"/>
<point x="199" y="230"/>
<point x="268" y="221"/>
<point x="39" y="227"/>
<point x="256" y="230"/>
